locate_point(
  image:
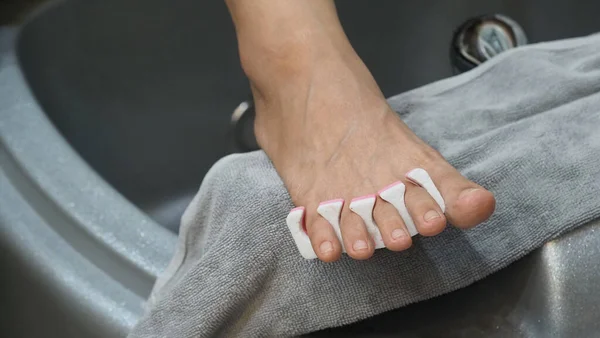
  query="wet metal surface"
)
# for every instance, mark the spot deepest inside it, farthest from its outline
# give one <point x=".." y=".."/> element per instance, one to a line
<point x="553" y="292"/>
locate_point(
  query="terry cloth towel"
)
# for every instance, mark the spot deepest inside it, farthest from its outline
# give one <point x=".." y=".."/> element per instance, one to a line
<point x="525" y="125"/>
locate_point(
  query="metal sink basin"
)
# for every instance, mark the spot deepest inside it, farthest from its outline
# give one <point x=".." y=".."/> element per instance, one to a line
<point x="143" y="91"/>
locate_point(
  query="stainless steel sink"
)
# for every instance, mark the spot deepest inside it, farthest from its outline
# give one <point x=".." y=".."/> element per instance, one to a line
<point x="143" y="91"/>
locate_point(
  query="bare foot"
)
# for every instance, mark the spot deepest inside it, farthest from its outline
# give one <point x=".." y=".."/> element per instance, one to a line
<point x="338" y="138"/>
<point x="326" y="126"/>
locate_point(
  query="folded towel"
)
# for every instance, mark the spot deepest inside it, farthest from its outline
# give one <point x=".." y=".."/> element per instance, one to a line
<point x="525" y="125"/>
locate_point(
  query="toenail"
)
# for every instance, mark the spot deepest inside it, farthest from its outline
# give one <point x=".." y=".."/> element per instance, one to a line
<point x="326" y="247"/>
<point x="431" y="215"/>
<point x="467" y="192"/>
<point x="398" y="233"/>
<point x="359" y="245"/>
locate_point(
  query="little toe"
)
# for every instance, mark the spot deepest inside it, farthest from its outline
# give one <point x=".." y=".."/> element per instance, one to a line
<point x="425" y="212"/>
<point x="392" y="228"/>
<point x="359" y="245"/>
<point x="323" y="239"/>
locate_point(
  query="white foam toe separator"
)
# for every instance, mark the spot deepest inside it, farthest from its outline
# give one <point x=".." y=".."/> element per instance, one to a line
<point x="394" y="194"/>
<point x="331" y="211"/>
<point x="294" y="222"/>
<point x="421" y="177"/>
<point x="363" y="206"/>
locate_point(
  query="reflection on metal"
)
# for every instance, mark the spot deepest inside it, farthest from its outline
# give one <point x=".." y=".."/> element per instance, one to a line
<point x="553" y="283"/>
<point x="242" y="121"/>
<point x="239" y="111"/>
<point x="553" y="292"/>
<point x="483" y="37"/>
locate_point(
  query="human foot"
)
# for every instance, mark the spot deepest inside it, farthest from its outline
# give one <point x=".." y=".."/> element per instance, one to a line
<point x="340" y="140"/>
<point x="327" y="128"/>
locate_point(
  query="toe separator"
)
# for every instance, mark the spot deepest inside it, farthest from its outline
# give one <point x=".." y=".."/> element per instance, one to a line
<point x="422" y="178"/>
<point x="363" y="207"/>
<point x="294" y="222"/>
<point x="394" y="194"/>
<point x="330" y="211"/>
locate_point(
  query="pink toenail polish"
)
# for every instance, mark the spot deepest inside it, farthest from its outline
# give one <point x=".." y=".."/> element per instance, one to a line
<point x="359" y="245"/>
<point x="326" y="247"/>
<point x="431" y="215"/>
<point x="398" y="233"/>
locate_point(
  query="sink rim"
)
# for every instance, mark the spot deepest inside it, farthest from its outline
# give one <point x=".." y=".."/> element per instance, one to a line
<point x="65" y="180"/>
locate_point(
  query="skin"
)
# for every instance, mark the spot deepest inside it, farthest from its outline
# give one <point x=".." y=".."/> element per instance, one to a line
<point x="324" y="123"/>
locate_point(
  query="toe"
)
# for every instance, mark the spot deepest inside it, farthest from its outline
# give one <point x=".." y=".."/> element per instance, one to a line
<point x="323" y="239"/>
<point x="357" y="241"/>
<point x="392" y="228"/>
<point x="467" y="203"/>
<point x="425" y="212"/>
<point x="472" y="207"/>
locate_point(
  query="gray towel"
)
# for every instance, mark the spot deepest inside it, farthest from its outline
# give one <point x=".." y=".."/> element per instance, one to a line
<point x="525" y="125"/>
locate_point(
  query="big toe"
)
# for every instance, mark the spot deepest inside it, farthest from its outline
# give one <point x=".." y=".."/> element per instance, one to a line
<point x="467" y="203"/>
<point x="471" y="207"/>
